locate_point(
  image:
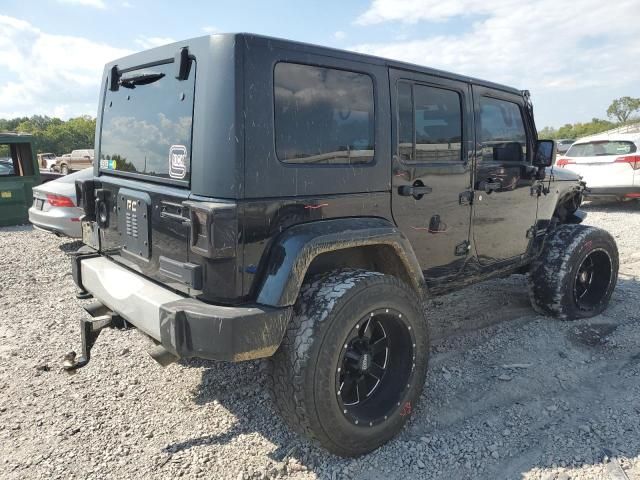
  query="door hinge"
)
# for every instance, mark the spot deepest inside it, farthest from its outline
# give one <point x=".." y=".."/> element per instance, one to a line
<point x="466" y="197"/>
<point x="462" y="248"/>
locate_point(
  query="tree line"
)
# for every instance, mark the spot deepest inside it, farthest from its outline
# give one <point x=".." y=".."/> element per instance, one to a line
<point x="621" y="112"/>
<point x="53" y="134"/>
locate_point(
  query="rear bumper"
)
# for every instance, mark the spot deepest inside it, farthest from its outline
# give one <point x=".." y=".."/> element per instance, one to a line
<point x="56" y="222"/>
<point x="184" y="326"/>
<point x="630" y="191"/>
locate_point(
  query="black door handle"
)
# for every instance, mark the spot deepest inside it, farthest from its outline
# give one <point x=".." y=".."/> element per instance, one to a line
<point x="414" y="190"/>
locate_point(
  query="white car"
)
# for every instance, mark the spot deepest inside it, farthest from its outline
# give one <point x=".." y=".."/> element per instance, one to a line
<point x="608" y="163"/>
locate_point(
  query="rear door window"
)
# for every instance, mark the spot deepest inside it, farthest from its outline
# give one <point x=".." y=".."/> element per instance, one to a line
<point x="430" y="124"/>
<point x="323" y="116"/>
<point x="601" y="148"/>
<point x="147" y="123"/>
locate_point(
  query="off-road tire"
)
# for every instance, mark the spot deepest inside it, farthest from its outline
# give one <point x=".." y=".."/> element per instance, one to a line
<point x="553" y="276"/>
<point x="301" y="374"/>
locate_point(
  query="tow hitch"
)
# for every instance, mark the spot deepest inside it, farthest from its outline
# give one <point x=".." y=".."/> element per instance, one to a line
<point x="101" y="317"/>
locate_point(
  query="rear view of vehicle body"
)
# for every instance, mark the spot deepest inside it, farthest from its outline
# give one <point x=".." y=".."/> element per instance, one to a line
<point x="609" y="164"/>
<point x="256" y="198"/>
<point x="55" y="207"/>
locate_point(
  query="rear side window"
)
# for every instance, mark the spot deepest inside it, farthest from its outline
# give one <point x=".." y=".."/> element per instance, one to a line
<point x="429" y="124"/>
<point x="600" y="149"/>
<point x="323" y="116"/>
<point x="502" y="131"/>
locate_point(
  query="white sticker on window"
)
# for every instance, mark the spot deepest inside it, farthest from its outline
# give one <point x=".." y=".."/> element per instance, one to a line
<point x="178" y="161"/>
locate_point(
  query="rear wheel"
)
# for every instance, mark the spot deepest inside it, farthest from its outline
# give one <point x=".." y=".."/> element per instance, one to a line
<point x="352" y="364"/>
<point x="575" y="274"/>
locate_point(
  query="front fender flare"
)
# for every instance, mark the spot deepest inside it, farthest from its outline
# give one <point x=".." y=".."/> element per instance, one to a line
<point x="293" y="251"/>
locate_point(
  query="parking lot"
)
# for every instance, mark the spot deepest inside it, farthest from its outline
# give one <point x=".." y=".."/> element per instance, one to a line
<point x="509" y="394"/>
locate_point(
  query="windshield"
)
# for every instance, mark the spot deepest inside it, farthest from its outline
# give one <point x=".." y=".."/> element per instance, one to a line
<point x="146" y="124"/>
<point x="601" y="148"/>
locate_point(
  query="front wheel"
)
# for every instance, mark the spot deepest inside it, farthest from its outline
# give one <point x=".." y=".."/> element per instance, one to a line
<point x="575" y="274"/>
<point x="352" y="365"/>
<point x="64" y="170"/>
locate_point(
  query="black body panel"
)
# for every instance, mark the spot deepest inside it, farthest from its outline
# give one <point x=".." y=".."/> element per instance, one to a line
<point x="235" y="168"/>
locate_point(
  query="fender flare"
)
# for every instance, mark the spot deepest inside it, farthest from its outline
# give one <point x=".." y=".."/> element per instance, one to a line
<point x="294" y="249"/>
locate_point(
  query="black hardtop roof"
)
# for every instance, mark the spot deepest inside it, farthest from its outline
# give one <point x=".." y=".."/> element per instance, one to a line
<point x="372" y="59"/>
<point x="150" y="55"/>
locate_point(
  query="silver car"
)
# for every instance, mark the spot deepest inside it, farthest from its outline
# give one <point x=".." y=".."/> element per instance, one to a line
<point x="55" y="207"/>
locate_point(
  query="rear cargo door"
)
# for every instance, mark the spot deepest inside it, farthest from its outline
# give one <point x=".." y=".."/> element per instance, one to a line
<point x="144" y="166"/>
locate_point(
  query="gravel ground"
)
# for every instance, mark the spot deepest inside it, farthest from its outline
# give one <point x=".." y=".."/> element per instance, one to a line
<point x="509" y="394"/>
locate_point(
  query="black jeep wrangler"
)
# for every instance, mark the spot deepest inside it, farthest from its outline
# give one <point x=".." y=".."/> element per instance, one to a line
<point x="257" y="198"/>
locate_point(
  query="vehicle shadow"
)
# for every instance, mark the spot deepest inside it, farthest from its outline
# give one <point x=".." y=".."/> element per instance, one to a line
<point x="70" y="246"/>
<point x="582" y="367"/>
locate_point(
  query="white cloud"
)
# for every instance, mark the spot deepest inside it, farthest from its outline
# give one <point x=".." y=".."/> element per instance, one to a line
<point x="86" y="3"/>
<point x="151" y="42"/>
<point x="210" y="29"/>
<point x="49" y="74"/>
<point x="542" y="45"/>
<point x="339" y="35"/>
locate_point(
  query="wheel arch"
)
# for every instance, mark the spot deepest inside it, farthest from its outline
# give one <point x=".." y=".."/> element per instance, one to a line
<point x="305" y="249"/>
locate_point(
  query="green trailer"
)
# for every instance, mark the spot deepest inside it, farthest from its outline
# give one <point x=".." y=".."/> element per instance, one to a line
<point x="19" y="173"/>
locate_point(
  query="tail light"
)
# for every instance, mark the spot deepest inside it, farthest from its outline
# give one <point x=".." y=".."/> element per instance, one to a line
<point x="632" y="160"/>
<point x="59" y="201"/>
<point x="214" y="228"/>
<point x="564" y="161"/>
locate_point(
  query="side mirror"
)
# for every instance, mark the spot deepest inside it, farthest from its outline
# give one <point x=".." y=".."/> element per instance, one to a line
<point x="545" y="154"/>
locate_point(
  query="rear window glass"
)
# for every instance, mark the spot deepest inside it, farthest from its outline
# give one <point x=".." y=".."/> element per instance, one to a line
<point x="602" y="148"/>
<point x="146" y="124"/>
<point x="323" y="115"/>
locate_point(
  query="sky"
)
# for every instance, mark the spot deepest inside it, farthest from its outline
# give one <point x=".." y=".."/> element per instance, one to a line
<point x="575" y="56"/>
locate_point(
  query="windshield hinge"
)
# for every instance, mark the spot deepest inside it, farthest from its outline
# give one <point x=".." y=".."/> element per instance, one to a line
<point x="182" y="62"/>
<point x="114" y="79"/>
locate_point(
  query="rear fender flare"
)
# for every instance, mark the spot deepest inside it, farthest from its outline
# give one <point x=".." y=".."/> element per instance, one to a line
<point x="294" y="249"/>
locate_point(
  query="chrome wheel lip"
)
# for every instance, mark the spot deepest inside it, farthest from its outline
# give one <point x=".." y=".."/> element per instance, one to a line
<point x="348" y="408"/>
<point x="583" y="277"/>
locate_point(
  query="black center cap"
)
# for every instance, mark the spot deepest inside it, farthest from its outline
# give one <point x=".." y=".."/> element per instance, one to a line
<point x="365" y="362"/>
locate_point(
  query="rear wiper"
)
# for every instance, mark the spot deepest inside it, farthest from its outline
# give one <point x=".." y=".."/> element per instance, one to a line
<point x="144" y="79"/>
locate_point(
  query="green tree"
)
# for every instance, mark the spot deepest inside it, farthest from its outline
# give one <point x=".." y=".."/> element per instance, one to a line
<point x="622" y="108"/>
<point x="53" y="134"/>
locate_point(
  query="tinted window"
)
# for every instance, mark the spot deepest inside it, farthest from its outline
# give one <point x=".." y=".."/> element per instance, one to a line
<point x="146" y="126"/>
<point x="429" y="124"/>
<point x="502" y="131"/>
<point x="598" y="149"/>
<point x="323" y="115"/>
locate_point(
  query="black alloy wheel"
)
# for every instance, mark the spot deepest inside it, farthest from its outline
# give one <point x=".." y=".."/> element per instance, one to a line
<point x="592" y="279"/>
<point x="375" y="367"/>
